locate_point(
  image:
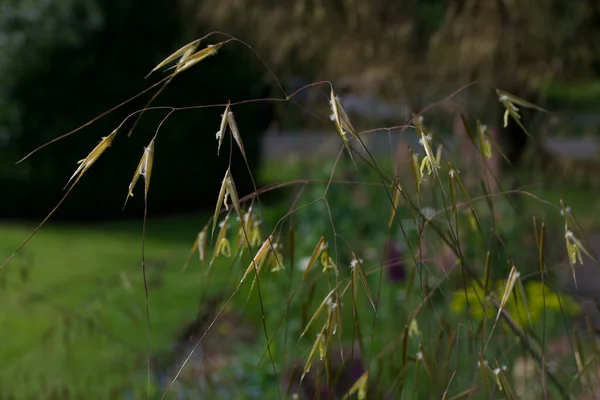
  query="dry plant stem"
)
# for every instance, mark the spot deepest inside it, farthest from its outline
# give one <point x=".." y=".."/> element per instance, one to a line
<point x="91" y="121"/>
<point x="293" y="294"/>
<point x="255" y="268"/>
<point x="144" y="223"/>
<point x="146" y="291"/>
<point x="262" y="311"/>
<point x="158" y="92"/>
<point x="540" y="241"/>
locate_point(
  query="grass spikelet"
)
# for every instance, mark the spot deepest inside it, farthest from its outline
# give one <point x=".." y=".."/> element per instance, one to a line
<point x="359" y="387"/>
<point x="319" y="248"/>
<point x="429" y="161"/>
<point x="542" y="248"/>
<point x="260" y="256"/>
<point x="221" y="200"/>
<point x="471" y="212"/>
<point x="502" y="381"/>
<point x="485" y="147"/>
<point x="327" y="262"/>
<point x="318" y="346"/>
<point x="487" y="272"/>
<point x="395" y="201"/>
<point x="414" y="166"/>
<point x="517" y="100"/>
<point x="183" y="54"/>
<point x="572" y="225"/>
<point x="510" y="103"/>
<point x="228" y="120"/>
<point x="328" y="301"/>
<point x="275" y="258"/>
<point x="438" y="154"/>
<point x="483" y="368"/>
<point x="200" y="246"/>
<point x="452" y="181"/>
<point x="342" y="122"/>
<point x="91" y="158"/>
<point x="235" y="132"/>
<point x="227" y="190"/>
<point x="249" y="230"/>
<point x="325" y="336"/>
<point x="574" y="251"/>
<point x="195" y="58"/>
<point x="232" y="192"/>
<point x="513" y="276"/>
<point x="222" y="128"/>
<point x="340" y="117"/>
<point x="222" y="246"/>
<point x="358" y="273"/>
<point x="422" y="358"/>
<point x="144" y="169"/>
<point x="489" y="137"/>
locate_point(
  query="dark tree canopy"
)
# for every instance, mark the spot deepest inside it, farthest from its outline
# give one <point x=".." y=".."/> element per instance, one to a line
<point x="75" y="81"/>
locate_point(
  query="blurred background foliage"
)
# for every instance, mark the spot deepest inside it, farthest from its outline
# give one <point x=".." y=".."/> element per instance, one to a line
<point x="64" y="62"/>
<point x="420" y="48"/>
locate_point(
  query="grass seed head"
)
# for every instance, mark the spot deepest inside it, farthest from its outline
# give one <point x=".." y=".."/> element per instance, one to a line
<point x="509" y="102"/>
<point x="146" y="170"/>
<point x="236" y="133"/>
<point x="328" y="302"/>
<point x="484" y="144"/>
<point x="91" y="158"/>
<point x="358" y="274"/>
<point x="342" y="122"/>
<point x="259" y="258"/>
<point x="183" y="53"/>
<point x="327" y="262"/>
<point x="275" y="257"/>
<point x="222" y="246"/>
<point x="202" y="244"/>
<point x="227" y="190"/>
<point x="317" y="345"/>
<point x="513" y="276"/>
<point x="319" y="248"/>
<point x="195" y="58"/>
<point x="222" y="128"/>
<point x="249" y="234"/>
<point x="429" y="161"/>
<point x="395" y="201"/>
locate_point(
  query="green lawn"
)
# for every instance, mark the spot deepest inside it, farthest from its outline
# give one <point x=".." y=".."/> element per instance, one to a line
<point x="73" y="311"/>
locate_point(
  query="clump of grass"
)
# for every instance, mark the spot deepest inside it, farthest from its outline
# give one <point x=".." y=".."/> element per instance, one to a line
<point x="443" y="329"/>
